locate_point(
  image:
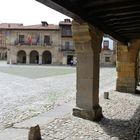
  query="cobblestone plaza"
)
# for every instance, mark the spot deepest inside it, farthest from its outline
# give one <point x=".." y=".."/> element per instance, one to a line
<point x="27" y="91"/>
<point x="46" y="95"/>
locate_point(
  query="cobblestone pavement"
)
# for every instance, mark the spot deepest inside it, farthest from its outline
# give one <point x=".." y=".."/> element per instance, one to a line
<point x="121" y="122"/>
<point x="22" y="98"/>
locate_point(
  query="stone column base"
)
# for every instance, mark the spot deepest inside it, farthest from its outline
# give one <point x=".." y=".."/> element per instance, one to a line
<point x="93" y="115"/>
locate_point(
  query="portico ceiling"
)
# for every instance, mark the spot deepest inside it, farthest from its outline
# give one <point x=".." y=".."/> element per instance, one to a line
<point x="118" y="18"/>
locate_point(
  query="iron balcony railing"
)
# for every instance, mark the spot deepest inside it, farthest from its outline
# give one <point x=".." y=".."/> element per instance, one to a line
<point x="67" y="48"/>
<point x="34" y="43"/>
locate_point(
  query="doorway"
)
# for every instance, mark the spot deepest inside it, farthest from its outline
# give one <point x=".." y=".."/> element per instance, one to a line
<point x="46" y="57"/>
<point x="34" y="57"/>
<point x="70" y="59"/>
<point x="21" y="57"/>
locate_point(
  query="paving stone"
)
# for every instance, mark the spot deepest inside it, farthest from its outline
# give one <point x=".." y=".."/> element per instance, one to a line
<point x="14" y="134"/>
<point x="26" y="98"/>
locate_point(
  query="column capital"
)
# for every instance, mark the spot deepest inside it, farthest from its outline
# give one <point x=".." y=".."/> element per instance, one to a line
<point x="86" y="36"/>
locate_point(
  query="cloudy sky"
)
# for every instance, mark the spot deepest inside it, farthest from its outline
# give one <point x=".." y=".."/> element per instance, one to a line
<point x="27" y="12"/>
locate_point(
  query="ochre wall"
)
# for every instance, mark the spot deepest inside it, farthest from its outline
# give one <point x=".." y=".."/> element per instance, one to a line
<point x="126" y="66"/>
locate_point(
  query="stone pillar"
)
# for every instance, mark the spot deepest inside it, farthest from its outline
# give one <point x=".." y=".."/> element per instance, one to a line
<point x="64" y="60"/>
<point x="40" y="59"/>
<point x="88" y="45"/>
<point x="126" y="67"/>
<point x="27" y="59"/>
<point x="8" y="55"/>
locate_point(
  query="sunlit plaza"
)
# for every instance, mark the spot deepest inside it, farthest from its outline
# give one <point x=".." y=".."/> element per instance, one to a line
<point x="27" y="91"/>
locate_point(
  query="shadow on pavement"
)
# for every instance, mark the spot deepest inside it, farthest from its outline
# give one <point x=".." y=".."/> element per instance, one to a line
<point x="123" y="129"/>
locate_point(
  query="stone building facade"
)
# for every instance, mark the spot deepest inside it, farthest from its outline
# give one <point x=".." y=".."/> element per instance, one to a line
<point x="107" y="56"/>
<point x="39" y="44"/>
<point x="3" y="48"/>
<point x="44" y="44"/>
<point x="67" y="42"/>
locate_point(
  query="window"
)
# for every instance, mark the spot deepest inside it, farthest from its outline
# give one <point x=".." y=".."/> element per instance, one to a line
<point x="47" y="40"/>
<point x="107" y="59"/>
<point x="67" y="45"/>
<point x="21" y="39"/>
<point x="66" y="31"/>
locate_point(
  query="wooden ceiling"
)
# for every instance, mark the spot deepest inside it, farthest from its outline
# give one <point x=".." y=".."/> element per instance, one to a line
<point x="118" y="18"/>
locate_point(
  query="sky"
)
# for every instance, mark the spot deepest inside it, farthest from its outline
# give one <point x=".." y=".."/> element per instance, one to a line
<point x="30" y="12"/>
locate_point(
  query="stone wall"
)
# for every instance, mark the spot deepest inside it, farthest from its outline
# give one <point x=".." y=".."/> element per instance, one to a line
<point x="126" y="66"/>
<point x="13" y="51"/>
<point x="110" y="55"/>
<point x="54" y="47"/>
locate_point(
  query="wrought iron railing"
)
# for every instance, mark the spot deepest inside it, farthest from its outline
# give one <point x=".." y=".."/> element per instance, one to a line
<point x="67" y="48"/>
<point x="34" y="43"/>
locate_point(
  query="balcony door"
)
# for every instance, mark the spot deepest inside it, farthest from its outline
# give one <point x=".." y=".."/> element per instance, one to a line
<point x="21" y="39"/>
<point x="47" y="40"/>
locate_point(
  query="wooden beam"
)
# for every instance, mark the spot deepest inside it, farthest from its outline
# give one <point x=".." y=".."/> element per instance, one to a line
<point x="121" y="19"/>
<point x="118" y="11"/>
<point x="109" y="9"/>
<point x="136" y="25"/>
<point x="108" y="4"/>
<point x="117" y="23"/>
<point x="122" y="32"/>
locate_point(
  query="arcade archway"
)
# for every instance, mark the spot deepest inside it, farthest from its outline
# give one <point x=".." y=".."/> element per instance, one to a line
<point x="21" y="57"/>
<point x="34" y="57"/>
<point x="46" y="57"/>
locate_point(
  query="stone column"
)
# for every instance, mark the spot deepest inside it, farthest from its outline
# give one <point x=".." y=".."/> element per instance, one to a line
<point x="64" y="60"/>
<point x="88" y="45"/>
<point x="8" y="55"/>
<point x="40" y="59"/>
<point x="27" y="59"/>
<point x="126" y="66"/>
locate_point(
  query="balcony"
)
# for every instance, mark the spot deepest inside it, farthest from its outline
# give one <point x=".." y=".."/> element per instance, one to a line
<point x="33" y="43"/>
<point x="67" y="49"/>
<point x="66" y="35"/>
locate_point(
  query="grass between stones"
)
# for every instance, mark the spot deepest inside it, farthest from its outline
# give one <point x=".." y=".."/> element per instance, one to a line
<point x="37" y="72"/>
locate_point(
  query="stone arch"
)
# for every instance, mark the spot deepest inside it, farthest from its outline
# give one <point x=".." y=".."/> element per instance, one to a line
<point x="34" y="57"/>
<point x="0" y="56"/>
<point x="46" y="57"/>
<point x="5" y="55"/>
<point x="21" y="56"/>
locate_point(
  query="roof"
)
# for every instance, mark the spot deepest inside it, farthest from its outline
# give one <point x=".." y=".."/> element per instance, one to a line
<point x="10" y="25"/>
<point x="29" y="27"/>
<point x="65" y="23"/>
<point x="118" y="18"/>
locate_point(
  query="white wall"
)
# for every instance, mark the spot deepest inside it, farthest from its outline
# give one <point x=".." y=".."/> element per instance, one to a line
<point x="110" y="42"/>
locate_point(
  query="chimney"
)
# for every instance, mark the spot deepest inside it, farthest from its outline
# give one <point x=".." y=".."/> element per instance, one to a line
<point x="44" y="23"/>
<point x="67" y="20"/>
